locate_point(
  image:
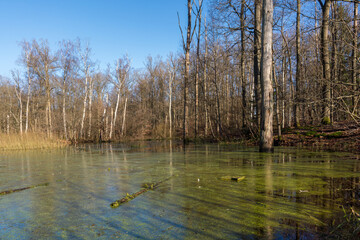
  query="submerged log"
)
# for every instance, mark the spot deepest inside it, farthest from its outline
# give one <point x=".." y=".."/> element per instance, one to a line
<point x="22" y="189"/>
<point x="230" y="178"/>
<point x="129" y="197"/>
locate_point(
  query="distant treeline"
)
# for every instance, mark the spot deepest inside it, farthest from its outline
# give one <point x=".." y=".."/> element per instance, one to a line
<point x="315" y="78"/>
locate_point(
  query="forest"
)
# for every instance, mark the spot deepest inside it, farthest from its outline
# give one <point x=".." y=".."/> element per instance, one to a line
<point x="211" y="88"/>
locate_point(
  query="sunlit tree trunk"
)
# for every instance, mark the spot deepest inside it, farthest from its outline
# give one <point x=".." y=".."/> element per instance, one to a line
<point x="325" y="58"/>
<point x="64" y="112"/>
<point x="187" y="72"/>
<point x="16" y="77"/>
<point x="91" y="86"/>
<point x="197" y="72"/>
<point x="266" y="129"/>
<point x="124" y="119"/>
<point x="84" y="106"/>
<point x="113" y="122"/>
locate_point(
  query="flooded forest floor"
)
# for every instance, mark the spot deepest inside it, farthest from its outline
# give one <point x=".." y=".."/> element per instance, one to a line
<point x="340" y="136"/>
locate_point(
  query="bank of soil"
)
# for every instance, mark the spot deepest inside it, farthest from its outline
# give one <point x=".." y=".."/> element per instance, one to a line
<point x="341" y="136"/>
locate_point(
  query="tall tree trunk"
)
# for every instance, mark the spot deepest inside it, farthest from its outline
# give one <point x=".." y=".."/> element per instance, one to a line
<point x="171" y="78"/>
<point x="48" y="104"/>
<point x="354" y="58"/>
<point x="197" y="72"/>
<point x="28" y="101"/>
<point x="187" y="72"/>
<point x="266" y="129"/>
<point x="257" y="57"/>
<point x="242" y="63"/>
<point x="205" y="82"/>
<point x="325" y="58"/>
<point x="298" y="68"/>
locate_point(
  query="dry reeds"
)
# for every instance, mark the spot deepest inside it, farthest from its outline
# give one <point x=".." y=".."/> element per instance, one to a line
<point x="30" y="141"/>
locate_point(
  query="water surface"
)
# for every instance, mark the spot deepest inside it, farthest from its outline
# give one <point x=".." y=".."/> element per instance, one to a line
<point x="292" y="193"/>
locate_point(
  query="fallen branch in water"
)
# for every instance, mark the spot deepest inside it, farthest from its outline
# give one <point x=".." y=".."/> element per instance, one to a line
<point x="129" y="197"/>
<point x="22" y="189"/>
<point x="230" y="178"/>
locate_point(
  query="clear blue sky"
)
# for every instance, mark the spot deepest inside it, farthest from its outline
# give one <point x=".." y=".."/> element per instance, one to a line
<point x="112" y="27"/>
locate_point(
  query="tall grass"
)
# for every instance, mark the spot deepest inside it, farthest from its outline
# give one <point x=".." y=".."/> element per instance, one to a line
<point x="29" y="141"/>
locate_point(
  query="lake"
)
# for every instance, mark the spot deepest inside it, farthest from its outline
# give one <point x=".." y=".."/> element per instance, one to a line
<point x="291" y="193"/>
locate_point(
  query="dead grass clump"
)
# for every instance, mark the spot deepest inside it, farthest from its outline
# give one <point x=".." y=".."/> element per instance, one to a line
<point x="30" y="141"/>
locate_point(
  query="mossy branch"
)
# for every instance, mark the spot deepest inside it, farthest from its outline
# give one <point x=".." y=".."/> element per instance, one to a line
<point x="22" y="189"/>
<point x="129" y="197"/>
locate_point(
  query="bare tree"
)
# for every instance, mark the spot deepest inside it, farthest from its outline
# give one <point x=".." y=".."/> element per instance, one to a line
<point x="86" y="68"/>
<point x="67" y="64"/>
<point x="121" y="75"/>
<point x="27" y="59"/>
<point x="44" y="66"/>
<point x="16" y="77"/>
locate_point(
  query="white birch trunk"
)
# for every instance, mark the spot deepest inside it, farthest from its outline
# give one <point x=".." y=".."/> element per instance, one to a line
<point x="84" y="107"/>
<point x="124" y="119"/>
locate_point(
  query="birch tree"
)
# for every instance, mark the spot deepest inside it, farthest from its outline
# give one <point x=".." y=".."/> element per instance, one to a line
<point x="85" y="68"/>
<point x="121" y="74"/>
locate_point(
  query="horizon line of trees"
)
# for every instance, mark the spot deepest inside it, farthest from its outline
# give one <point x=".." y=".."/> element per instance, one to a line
<point x="213" y="89"/>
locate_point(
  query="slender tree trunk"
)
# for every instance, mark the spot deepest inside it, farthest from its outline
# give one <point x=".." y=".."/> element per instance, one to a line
<point x="49" y="112"/>
<point x="277" y="104"/>
<point x="242" y="62"/>
<point x="104" y="118"/>
<point x="113" y="122"/>
<point x="124" y="119"/>
<point x="84" y="106"/>
<point x="354" y="58"/>
<point x="20" y="116"/>
<point x="298" y="68"/>
<point x="257" y="57"/>
<point x="91" y="85"/>
<point x="197" y="73"/>
<point x="325" y="57"/>
<point x="187" y="72"/>
<point x="8" y="124"/>
<point x="64" y="111"/>
<point x="266" y="130"/>
<point x="28" y="101"/>
<point x="205" y="82"/>
<point x="170" y="101"/>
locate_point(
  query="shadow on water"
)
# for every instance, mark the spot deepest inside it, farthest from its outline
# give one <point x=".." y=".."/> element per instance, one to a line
<point x="291" y="193"/>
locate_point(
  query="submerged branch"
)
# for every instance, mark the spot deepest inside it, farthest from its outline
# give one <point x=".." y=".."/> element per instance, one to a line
<point x="22" y="189"/>
<point x="129" y="197"/>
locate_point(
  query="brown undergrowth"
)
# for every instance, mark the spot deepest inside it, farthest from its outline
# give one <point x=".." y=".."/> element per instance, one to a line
<point x="341" y="136"/>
